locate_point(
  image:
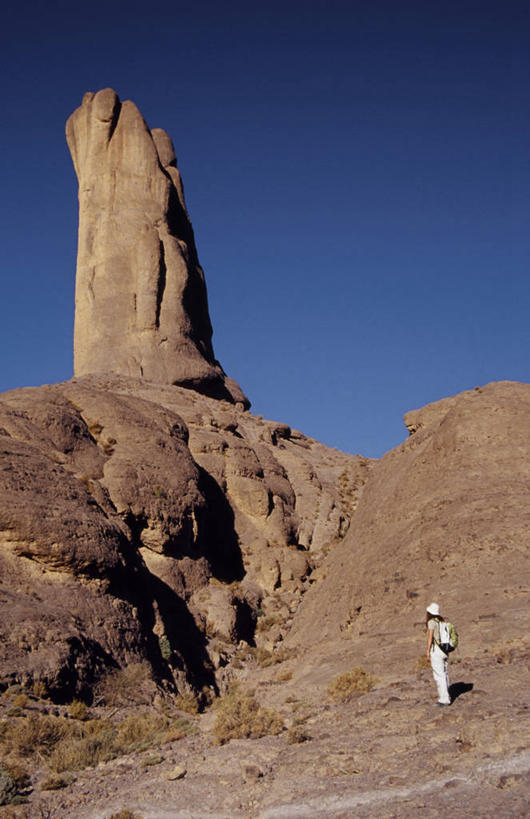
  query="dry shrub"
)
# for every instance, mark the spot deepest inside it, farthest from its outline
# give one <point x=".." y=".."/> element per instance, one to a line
<point x="347" y="685"/>
<point x="74" y="753"/>
<point x="284" y="676"/>
<point x="174" y="734"/>
<point x="78" y="710"/>
<point x="282" y="654"/>
<point x="71" y="745"/>
<point x="265" y="658"/>
<point x="148" y="761"/>
<point x="132" y="685"/>
<point x="37" y="734"/>
<point x="187" y="702"/>
<point x="14" y="712"/>
<point x="422" y="662"/>
<point x="297" y="734"/>
<point x="55" y="783"/>
<point x="125" y="813"/>
<point x="240" y="716"/>
<point x="104" y="741"/>
<point x="12" y="692"/>
<point x="15" y="785"/>
<point x="39" y="690"/>
<point x="19" y="775"/>
<point x="265" y="623"/>
<point x="137" y="729"/>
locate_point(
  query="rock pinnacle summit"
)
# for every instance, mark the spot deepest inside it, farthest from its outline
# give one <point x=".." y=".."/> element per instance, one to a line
<point x="141" y="305"/>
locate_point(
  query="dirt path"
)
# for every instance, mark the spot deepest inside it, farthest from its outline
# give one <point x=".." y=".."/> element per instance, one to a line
<point x="330" y="806"/>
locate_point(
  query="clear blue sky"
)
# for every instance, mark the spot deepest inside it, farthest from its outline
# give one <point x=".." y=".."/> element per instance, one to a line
<point x="357" y="174"/>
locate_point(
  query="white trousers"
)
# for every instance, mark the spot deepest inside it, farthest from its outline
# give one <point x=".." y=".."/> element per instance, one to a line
<point x="439" y="672"/>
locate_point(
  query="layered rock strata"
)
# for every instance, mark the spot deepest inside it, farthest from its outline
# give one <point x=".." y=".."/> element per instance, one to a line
<point x="141" y="303"/>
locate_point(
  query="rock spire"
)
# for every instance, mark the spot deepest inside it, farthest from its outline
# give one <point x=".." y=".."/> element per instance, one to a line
<point x="141" y="303"/>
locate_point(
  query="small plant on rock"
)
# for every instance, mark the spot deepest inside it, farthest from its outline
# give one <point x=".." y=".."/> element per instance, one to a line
<point x="39" y="690"/>
<point x="55" y="783"/>
<point x="165" y="647"/>
<point x="108" y="446"/>
<point x="240" y="716"/>
<point x="78" y="710"/>
<point x="125" y="686"/>
<point x="344" y="687"/>
<point x="297" y="734"/>
<point x="21" y="700"/>
<point x="188" y="702"/>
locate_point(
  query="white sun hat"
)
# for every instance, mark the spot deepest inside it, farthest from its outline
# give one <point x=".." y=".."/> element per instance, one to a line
<point x="433" y="608"/>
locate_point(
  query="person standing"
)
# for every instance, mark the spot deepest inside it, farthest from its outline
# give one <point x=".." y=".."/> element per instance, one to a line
<point x="436" y="656"/>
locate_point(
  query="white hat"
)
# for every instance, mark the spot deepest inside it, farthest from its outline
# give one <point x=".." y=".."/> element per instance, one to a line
<point x="434" y="608"/>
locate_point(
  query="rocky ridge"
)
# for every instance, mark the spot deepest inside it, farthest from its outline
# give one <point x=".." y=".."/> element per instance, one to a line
<point x="149" y="522"/>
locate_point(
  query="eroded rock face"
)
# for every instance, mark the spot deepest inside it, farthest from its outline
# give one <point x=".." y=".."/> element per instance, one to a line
<point x="444" y="517"/>
<point x="141" y="304"/>
<point x="149" y="522"/>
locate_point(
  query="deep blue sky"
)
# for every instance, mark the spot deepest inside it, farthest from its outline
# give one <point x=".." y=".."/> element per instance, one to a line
<point x="357" y="174"/>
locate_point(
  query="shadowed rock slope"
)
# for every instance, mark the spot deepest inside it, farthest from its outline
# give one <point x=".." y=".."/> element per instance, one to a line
<point x="143" y="522"/>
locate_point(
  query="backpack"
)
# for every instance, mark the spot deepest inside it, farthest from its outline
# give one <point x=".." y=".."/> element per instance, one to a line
<point x="448" y="637"/>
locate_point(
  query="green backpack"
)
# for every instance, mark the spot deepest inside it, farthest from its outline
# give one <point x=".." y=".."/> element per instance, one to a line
<point x="448" y="637"/>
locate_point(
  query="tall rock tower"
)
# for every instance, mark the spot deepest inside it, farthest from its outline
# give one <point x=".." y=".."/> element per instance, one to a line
<point x="141" y="306"/>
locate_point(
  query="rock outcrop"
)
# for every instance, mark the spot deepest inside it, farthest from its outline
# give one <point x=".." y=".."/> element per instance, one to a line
<point x="151" y="523"/>
<point x="444" y="516"/>
<point x="141" y="304"/>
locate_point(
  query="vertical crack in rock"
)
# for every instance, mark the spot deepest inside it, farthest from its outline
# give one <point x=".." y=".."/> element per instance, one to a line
<point x="161" y="284"/>
<point x="139" y="281"/>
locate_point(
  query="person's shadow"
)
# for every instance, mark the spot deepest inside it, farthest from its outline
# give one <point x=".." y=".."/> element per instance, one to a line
<point x="456" y="689"/>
